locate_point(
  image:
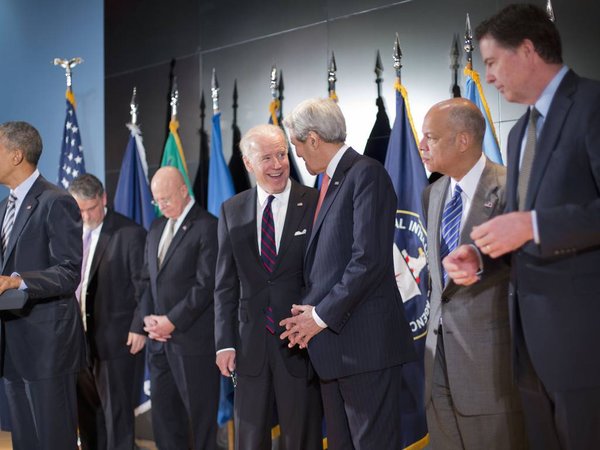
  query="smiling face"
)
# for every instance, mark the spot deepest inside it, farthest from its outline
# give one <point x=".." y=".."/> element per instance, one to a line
<point x="268" y="161"/>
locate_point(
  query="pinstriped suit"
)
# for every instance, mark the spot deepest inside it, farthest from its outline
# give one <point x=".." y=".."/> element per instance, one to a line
<point x="350" y="280"/>
<point x="484" y="403"/>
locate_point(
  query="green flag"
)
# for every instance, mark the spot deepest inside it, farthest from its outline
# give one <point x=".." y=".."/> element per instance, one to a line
<point x="173" y="154"/>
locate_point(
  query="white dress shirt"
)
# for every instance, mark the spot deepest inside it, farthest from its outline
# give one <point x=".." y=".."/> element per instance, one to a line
<point x="278" y="207"/>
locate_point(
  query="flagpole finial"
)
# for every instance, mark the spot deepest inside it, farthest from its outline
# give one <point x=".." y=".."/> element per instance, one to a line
<point x="455" y="65"/>
<point x="378" y="73"/>
<point x="550" y="11"/>
<point x="469" y="47"/>
<point x="174" y="99"/>
<point x="68" y="65"/>
<point x="214" y="88"/>
<point x="331" y="74"/>
<point x="235" y="101"/>
<point x="202" y="110"/>
<point x="273" y="84"/>
<point x="397" y="56"/>
<point x="133" y="107"/>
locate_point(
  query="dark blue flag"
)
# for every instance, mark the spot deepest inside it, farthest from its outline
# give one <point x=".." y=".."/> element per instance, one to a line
<point x="132" y="197"/>
<point x="71" y="163"/>
<point x="403" y="163"/>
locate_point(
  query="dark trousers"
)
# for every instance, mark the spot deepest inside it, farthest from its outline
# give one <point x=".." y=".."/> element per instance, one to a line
<point x="106" y="396"/>
<point x="185" y="400"/>
<point x="298" y="401"/>
<point x="362" y="411"/>
<point x="43" y="413"/>
<point x="555" y="420"/>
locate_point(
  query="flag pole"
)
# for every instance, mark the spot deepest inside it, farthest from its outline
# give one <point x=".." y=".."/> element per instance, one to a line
<point x="455" y="65"/>
<point x="378" y="73"/>
<point x="214" y="89"/>
<point x="469" y="47"/>
<point x="68" y="65"/>
<point x="133" y="107"/>
<point x="332" y="78"/>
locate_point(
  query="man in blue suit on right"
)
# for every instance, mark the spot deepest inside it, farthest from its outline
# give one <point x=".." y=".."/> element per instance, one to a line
<point x="550" y="230"/>
<point x="352" y="317"/>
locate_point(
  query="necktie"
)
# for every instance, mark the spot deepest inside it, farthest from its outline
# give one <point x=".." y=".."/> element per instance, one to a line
<point x="322" y="193"/>
<point x="162" y="252"/>
<point x="528" y="155"/>
<point x="87" y="240"/>
<point x="9" y="221"/>
<point x="268" y="248"/>
<point x="451" y="225"/>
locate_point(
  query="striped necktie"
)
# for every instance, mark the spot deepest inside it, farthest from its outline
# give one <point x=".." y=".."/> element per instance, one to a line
<point x="268" y="248"/>
<point x="451" y="225"/>
<point x="528" y="155"/>
<point x="9" y="221"/>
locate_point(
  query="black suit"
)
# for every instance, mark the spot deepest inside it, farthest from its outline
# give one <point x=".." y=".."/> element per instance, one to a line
<point x="43" y="344"/>
<point x="268" y="371"/>
<point x="350" y="280"/>
<point x="555" y="286"/>
<point x="112" y="300"/>
<point x="184" y="377"/>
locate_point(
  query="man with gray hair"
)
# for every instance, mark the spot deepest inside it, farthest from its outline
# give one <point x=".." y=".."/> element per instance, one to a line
<point x="262" y="236"/>
<point x="42" y="343"/>
<point x="351" y="317"/>
<point x="109" y="296"/>
<point x="471" y="400"/>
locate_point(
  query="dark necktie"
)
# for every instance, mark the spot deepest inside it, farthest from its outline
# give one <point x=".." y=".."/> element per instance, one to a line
<point x="528" y="155"/>
<point x="451" y="225"/>
<point x="9" y="221"/>
<point x="268" y="248"/>
<point x="322" y="193"/>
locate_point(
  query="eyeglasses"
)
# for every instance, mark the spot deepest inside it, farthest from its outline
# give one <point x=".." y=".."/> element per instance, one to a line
<point x="161" y="201"/>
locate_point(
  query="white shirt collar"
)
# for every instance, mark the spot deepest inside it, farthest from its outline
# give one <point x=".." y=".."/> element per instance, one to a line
<point x="262" y="195"/>
<point x="22" y="189"/>
<point x="543" y="103"/>
<point x="469" y="182"/>
<point x="336" y="160"/>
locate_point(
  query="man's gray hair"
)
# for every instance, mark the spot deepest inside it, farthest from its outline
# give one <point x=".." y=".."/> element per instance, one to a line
<point x="248" y="144"/>
<point x="87" y="187"/>
<point x="322" y="116"/>
<point x="23" y="136"/>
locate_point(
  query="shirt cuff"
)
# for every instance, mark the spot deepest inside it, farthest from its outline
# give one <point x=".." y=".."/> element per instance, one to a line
<point x="480" y="258"/>
<point x="22" y="286"/>
<point x="318" y="319"/>
<point x="534" y="225"/>
<point x="225" y="350"/>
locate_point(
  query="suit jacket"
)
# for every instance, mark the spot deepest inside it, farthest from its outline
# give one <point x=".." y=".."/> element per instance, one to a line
<point x="555" y="286"/>
<point x="245" y="288"/>
<point x="476" y="327"/>
<point x="349" y="274"/>
<point x="114" y="287"/>
<point x="183" y="288"/>
<point x="45" y="338"/>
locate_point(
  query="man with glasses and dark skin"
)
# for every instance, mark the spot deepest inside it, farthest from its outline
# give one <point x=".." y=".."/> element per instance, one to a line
<point x="262" y="236"/>
<point x="180" y="258"/>
<point x="550" y="230"/>
<point x="42" y="344"/>
<point x="109" y="294"/>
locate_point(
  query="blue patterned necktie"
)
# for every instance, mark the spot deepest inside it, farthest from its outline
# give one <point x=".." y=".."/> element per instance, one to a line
<point x="9" y="221"/>
<point x="451" y="225"/>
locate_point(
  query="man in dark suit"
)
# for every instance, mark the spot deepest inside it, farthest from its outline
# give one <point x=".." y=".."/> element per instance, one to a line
<point x="180" y="258"/>
<point x="42" y="343"/>
<point x="551" y="228"/>
<point x="351" y="317"/>
<point x="109" y="294"/>
<point x="258" y="281"/>
<point x="471" y="400"/>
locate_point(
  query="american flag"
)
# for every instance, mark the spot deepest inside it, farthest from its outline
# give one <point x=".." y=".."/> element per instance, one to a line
<point x="71" y="156"/>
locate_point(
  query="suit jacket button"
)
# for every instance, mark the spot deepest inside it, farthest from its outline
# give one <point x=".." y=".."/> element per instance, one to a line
<point x="269" y="282"/>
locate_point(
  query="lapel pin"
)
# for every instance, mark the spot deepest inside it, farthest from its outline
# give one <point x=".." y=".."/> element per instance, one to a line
<point x="184" y="227"/>
<point x="488" y="204"/>
<point x="335" y="183"/>
<point x="28" y="206"/>
<point x="300" y="204"/>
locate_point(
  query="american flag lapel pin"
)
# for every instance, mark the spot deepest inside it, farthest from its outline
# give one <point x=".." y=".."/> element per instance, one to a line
<point x="488" y="204"/>
<point x="300" y="204"/>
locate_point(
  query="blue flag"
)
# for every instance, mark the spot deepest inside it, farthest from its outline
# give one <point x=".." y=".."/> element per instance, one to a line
<point x="403" y="163"/>
<point x="71" y="163"/>
<point x="220" y="188"/>
<point x="474" y="92"/>
<point x="220" y="183"/>
<point x="132" y="197"/>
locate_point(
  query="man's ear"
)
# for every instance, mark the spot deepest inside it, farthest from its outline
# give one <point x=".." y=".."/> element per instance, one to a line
<point x="247" y="164"/>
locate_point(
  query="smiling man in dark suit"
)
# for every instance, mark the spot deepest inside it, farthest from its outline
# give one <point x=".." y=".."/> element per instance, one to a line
<point x="109" y="295"/>
<point x="352" y="317"/>
<point x="178" y="306"/>
<point x="550" y="230"/>
<point x="262" y="236"/>
<point x="42" y="344"/>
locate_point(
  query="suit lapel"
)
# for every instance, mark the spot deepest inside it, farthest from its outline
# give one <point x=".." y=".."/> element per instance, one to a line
<point x="102" y="244"/>
<point x="183" y="229"/>
<point x="553" y="124"/>
<point x="296" y="210"/>
<point x="153" y="241"/>
<point x="247" y="220"/>
<point x="334" y="187"/>
<point x="513" y="158"/>
<point x="436" y="208"/>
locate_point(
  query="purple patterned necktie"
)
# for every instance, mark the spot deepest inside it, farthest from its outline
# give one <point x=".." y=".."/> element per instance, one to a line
<point x="87" y="240"/>
<point x="268" y="254"/>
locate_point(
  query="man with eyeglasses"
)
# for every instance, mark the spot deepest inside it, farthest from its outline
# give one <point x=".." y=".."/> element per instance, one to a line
<point x="262" y="235"/>
<point x="180" y="256"/>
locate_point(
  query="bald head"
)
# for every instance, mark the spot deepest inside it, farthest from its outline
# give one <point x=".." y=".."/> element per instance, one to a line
<point x="453" y="133"/>
<point x="169" y="191"/>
